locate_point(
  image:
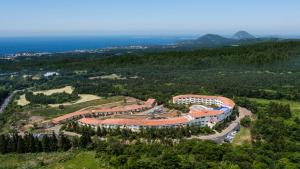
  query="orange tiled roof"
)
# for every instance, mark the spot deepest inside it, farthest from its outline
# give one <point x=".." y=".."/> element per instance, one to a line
<point x="203" y="113"/>
<point x="146" y="105"/>
<point x="136" y="122"/>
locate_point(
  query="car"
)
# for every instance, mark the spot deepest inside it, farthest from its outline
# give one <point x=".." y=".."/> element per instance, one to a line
<point x="233" y="133"/>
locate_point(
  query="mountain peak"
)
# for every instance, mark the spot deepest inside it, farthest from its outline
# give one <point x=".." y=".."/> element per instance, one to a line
<point x="241" y="35"/>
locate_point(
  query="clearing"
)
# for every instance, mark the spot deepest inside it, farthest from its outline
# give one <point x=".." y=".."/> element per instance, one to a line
<point x="83" y="98"/>
<point x="67" y="89"/>
<point x="51" y="112"/>
<point x="22" y="101"/>
<point x="295" y="106"/>
<point x="242" y="137"/>
<point x="110" y="77"/>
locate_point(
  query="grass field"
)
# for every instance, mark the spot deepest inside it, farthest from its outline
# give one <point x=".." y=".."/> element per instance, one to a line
<point x="51" y="112"/>
<point x="295" y="106"/>
<point x="242" y="137"/>
<point x="57" y="160"/>
<point x="68" y="89"/>
<point x="22" y="101"/>
<point x="83" y="160"/>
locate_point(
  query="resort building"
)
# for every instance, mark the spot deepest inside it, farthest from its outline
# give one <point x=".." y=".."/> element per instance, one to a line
<point x="131" y="109"/>
<point x="204" y="111"/>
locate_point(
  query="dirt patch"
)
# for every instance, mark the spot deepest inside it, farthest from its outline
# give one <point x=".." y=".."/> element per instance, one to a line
<point x="22" y="101"/>
<point x="83" y="98"/>
<point x="111" y="77"/>
<point x="67" y="89"/>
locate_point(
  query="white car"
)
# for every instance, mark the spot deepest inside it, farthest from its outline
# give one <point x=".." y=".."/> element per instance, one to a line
<point x="233" y="133"/>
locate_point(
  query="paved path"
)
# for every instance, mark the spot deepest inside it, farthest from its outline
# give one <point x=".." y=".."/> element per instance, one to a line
<point x="7" y="100"/>
<point x="219" y="137"/>
<point x="56" y="130"/>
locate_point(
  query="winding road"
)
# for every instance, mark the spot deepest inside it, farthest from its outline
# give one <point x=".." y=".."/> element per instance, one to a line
<point x="7" y="100"/>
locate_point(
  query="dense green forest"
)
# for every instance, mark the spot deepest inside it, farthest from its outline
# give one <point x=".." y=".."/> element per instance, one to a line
<point x="266" y="70"/>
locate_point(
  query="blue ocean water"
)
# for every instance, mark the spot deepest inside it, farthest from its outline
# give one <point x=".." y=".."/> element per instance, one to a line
<point x="12" y="45"/>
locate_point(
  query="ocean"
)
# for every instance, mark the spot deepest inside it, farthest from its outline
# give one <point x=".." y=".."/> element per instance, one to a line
<point x="12" y="45"/>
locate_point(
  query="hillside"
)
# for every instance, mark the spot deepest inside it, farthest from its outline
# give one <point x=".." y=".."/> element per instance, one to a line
<point x="240" y="35"/>
<point x="212" y="40"/>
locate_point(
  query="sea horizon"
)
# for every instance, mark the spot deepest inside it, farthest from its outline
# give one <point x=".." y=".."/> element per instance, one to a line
<point x="55" y="44"/>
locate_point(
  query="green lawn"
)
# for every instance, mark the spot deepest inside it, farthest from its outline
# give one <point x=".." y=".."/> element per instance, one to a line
<point x="57" y="160"/>
<point x="32" y="160"/>
<point x="51" y="112"/>
<point x="83" y="160"/>
<point x="242" y="137"/>
<point x="295" y="106"/>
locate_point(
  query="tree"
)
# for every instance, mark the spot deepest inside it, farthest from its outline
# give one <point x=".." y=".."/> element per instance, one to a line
<point x="21" y="145"/>
<point x="3" y="144"/>
<point x="64" y="143"/>
<point x="53" y="142"/>
<point x="246" y="121"/>
<point x="85" y="140"/>
<point x="46" y="144"/>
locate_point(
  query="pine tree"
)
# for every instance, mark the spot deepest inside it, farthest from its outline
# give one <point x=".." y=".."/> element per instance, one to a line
<point x="32" y="144"/>
<point x="53" y="142"/>
<point x="3" y="144"/>
<point x="46" y="143"/>
<point x="20" y="145"/>
<point x="98" y="131"/>
<point x="75" y="142"/>
<point x="64" y="143"/>
<point x="14" y="142"/>
<point x="85" y="140"/>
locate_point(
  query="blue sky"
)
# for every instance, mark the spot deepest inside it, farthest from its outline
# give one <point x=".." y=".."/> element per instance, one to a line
<point x="62" y="17"/>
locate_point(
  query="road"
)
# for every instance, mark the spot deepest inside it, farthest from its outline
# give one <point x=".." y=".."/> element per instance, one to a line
<point x="219" y="137"/>
<point x="7" y="100"/>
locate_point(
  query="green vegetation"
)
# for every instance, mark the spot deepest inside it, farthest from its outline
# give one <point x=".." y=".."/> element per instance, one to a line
<point x="3" y="95"/>
<point x="246" y="121"/>
<point x="242" y="137"/>
<point x="55" y="98"/>
<point x="51" y="112"/>
<point x="295" y="105"/>
<point x="149" y="134"/>
<point x="67" y="160"/>
<point x="82" y="160"/>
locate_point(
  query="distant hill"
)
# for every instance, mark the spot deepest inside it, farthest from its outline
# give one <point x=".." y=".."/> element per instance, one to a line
<point x="213" y="40"/>
<point x="241" y="35"/>
<point x="208" y="40"/>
